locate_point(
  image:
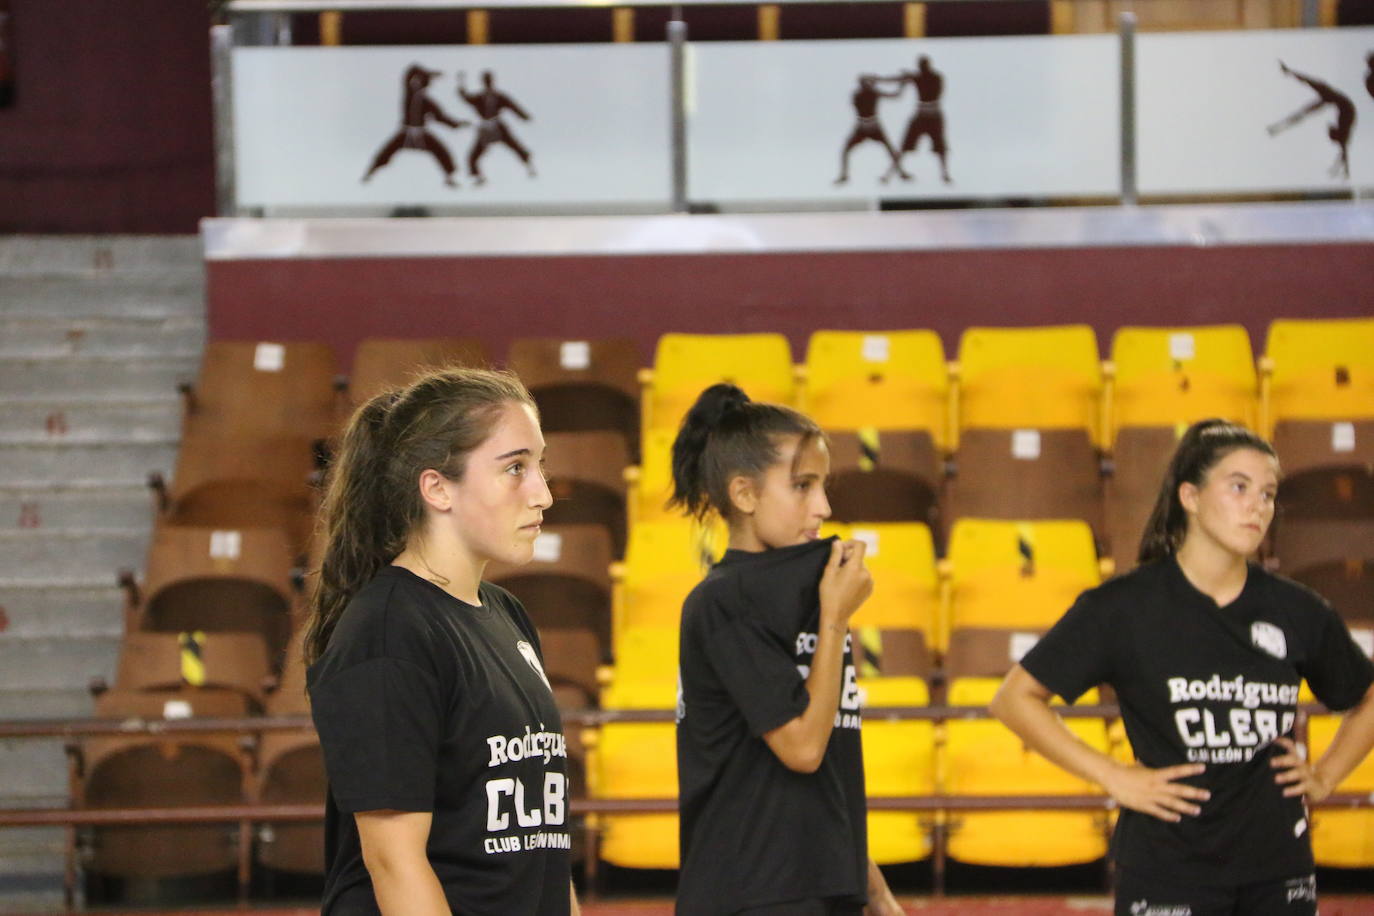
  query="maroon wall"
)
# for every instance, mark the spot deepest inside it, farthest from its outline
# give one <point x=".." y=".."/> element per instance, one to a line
<point x="110" y="130"/>
<point x="499" y="299"/>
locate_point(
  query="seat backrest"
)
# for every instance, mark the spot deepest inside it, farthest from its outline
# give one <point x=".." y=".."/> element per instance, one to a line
<point x="563" y="551"/>
<point x="546" y="362"/>
<point x="883" y="653"/>
<point x="171" y="661"/>
<point x="977" y="546"/>
<point x="595" y="457"/>
<point x="663" y="562"/>
<point x="687" y="364"/>
<point x="1321" y="370"/>
<point x="248" y="388"/>
<point x="978" y="652"/>
<point x="906" y="587"/>
<point x="644" y="672"/>
<point x="383" y="363"/>
<point x="888" y="380"/>
<point x="1039" y="377"/>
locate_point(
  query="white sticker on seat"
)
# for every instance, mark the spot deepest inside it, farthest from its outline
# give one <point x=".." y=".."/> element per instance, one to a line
<point x="176" y="709"/>
<point x="1020" y="644"/>
<point x="875" y="348"/>
<point x="1182" y="346"/>
<point x="548" y="547"/>
<point x="269" y="357"/>
<point x="225" y="545"/>
<point x="1342" y="437"/>
<point x="575" y="354"/>
<point x="1025" y="444"/>
<point x="1364" y="638"/>
<point x="869" y="538"/>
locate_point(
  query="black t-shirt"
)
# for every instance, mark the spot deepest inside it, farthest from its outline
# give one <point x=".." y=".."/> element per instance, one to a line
<point x="1203" y="684"/>
<point x="754" y="832"/>
<point x="427" y="703"/>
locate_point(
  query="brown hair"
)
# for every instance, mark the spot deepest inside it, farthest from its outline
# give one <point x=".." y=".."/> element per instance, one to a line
<point x="372" y="502"/>
<point x="723" y="436"/>
<point x="1202" y="446"/>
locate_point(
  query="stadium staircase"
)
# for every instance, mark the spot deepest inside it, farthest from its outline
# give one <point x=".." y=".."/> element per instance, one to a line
<point x="95" y="335"/>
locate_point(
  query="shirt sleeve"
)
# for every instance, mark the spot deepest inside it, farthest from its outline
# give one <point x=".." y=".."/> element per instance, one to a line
<point x="759" y="673"/>
<point x="1074" y="656"/>
<point x="1338" y="671"/>
<point x="379" y="723"/>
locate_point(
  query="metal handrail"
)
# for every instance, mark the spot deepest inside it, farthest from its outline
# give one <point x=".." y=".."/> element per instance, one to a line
<point x="344" y="6"/>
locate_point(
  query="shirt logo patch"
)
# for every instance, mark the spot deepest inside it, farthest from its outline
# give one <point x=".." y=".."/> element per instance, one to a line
<point x="1269" y="638"/>
<point x="527" y="651"/>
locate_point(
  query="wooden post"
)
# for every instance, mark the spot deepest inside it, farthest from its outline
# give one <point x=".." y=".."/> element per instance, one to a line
<point x="479" y="27"/>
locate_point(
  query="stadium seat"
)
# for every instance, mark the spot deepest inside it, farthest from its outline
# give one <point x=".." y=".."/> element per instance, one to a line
<point x="586" y="472"/>
<point x="663" y="562"/>
<point x="248" y="390"/>
<point x="190" y="770"/>
<point x="1016" y="575"/>
<point x="637" y="759"/>
<point x="1026" y="474"/>
<point x="982" y="757"/>
<point x="1324" y="516"/>
<point x="165" y="664"/>
<point x="899" y="760"/>
<point x="906" y="588"/>
<point x="1342" y="838"/>
<point x="567" y="584"/>
<point x="1166" y="376"/>
<point x="1348" y="585"/>
<point x="687" y="364"/>
<point x="219" y="581"/>
<point x="382" y="363"/>
<point x="650" y="483"/>
<point x="582" y="385"/>
<point x="888" y="381"/>
<point x="884" y="476"/>
<point x="1319" y="370"/>
<point x="290" y="771"/>
<point x="1140" y="459"/>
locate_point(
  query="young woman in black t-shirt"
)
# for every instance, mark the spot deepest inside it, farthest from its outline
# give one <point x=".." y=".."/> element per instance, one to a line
<point x="770" y="764"/>
<point x="442" y="743"/>
<point x="1206" y="652"/>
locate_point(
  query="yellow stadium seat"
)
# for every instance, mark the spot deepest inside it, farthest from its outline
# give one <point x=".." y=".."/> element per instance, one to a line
<point x="663" y="562"/>
<point x="687" y="364"/>
<point x="1164" y="377"/>
<point x="888" y="380"/>
<point x="899" y="760"/>
<point x="1039" y="378"/>
<point x="1342" y="838"/>
<point x="1320" y="370"/>
<point x="982" y="757"/>
<point x="644" y="675"/>
<point x="1016" y="574"/>
<point x="906" y="586"/>
<point x="651" y="483"/>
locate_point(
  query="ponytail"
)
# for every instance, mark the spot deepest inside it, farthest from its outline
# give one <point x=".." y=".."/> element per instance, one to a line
<point x="1202" y="446"/>
<point x="723" y="436"/>
<point x="372" y="505"/>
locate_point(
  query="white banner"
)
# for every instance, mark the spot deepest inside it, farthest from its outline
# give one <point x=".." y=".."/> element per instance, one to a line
<point x="452" y="126"/>
<point x="1256" y="111"/>
<point x="921" y="118"/>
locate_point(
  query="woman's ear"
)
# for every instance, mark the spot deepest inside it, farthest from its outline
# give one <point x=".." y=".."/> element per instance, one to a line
<point x="744" y="495"/>
<point x="1188" y="497"/>
<point x="435" y="490"/>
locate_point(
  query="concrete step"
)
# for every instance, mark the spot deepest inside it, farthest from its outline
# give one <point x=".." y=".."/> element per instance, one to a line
<point x="61" y="610"/>
<point x="113" y="378"/>
<point x="76" y="507"/>
<point x="108" y="463"/>
<point x="56" y="662"/>
<point x="34" y="772"/>
<point x="67" y="703"/>
<point x="152" y="295"/>
<point x="77" y="419"/>
<point x="43" y="556"/>
<point x="48" y="336"/>
<point x="31" y="867"/>
<point x="99" y="254"/>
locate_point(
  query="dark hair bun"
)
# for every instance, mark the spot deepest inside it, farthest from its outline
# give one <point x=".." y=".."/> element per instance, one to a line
<point x="715" y="404"/>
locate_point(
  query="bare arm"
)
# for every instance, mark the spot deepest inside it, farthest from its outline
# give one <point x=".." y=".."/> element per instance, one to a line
<point x="800" y="743"/>
<point x="575" y="910"/>
<point x="880" y="899"/>
<point x="1352" y="743"/>
<point x="394" y="852"/>
<point x="1023" y="705"/>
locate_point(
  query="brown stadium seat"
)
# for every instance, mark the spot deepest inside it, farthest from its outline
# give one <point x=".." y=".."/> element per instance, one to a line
<point x="260" y="390"/>
<point x="1027" y="474"/>
<point x="1139" y="461"/>
<point x="162" y="772"/>
<point x="586" y="473"/>
<point x="567" y="585"/>
<point x="1348" y="585"/>
<point x="290" y="772"/>
<point x="582" y="385"/>
<point x="165" y="664"/>
<point x="230" y="482"/>
<point x="884" y="476"/>
<point x="382" y="363"/>
<point x="219" y="581"/>
<point x="1324" y="516"/>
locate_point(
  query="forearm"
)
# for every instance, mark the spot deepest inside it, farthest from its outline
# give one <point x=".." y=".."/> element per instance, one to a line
<point x="1044" y="732"/>
<point x="407" y="886"/>
<point x="1352" y="743"/>
<point x="574" y="908"/>
<point x="800" y="743"/>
